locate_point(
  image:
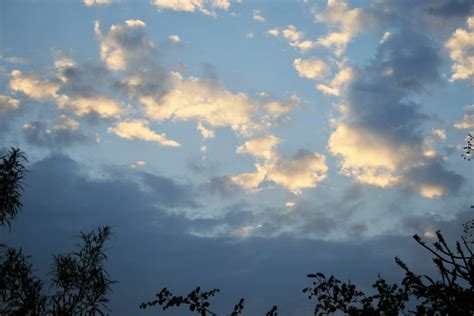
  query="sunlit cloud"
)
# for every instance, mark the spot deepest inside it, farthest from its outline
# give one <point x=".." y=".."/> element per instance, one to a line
<point x="33" y="87"/>
<point x="174" y="38"/>
<point x="124" y="44"/>
<point x="99" y="104"/>
<point x="96" y="2"/>
<point x="377" y="137"/>
<point x="461" y="50"/>
<point x="8" y="104"/>
<point x="205" y="102"/>
<point x="256" y="15"/>
<point x="294" y="37"/>
<point x="467" y="122"/>
<point x="206" y="7"/>
<point x="311" y="68"/>
<point x="138" y="129"/>
<point x="260" y="147"/>
<point x="344" y="23"/>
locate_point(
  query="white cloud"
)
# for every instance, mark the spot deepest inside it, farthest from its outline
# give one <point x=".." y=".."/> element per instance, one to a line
<point x="138" y="164"/>
<point x="302" y="171"/>
<point x="205" y="102"/>
<point x="311" y="68"/>
<point x="204" y="6"/>
<point x="342" y="78"/>
<point x="96" y="2"/>
<point x="124" y="44"/>
<point x="257" y="16"/>
<point x="98" y="104"/>
<point x="260" y="147"/>
<point x="461" y="50"/>
<point x="66" y="123"/>
<point x="15" y="60"/>
<point x="273" y="32"/>
<point x="467" y="121"/>
<point x="205" y="132"/>
<point x="31" y="86"/>
<point x="8" y="104"/>
<point x="251" y="181"/>
<point x="174" y="38"/>
<point x="138" y="129"/>
<point x="294" y="38"/>
<point x="347" y="23"/>
<point x="366" y="156"/>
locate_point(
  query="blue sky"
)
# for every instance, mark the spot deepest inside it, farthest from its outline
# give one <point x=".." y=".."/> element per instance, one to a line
<point x="244" y="123"/>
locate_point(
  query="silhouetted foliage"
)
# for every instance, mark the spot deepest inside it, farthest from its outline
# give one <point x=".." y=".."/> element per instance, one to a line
<point x="12" y="172"/>
<point x="197" y="301"/>
<point x="273" y="311"/>
<point x="20" y="290"/>
<point x="453" y="294"/>
<point x="79" y="283"/>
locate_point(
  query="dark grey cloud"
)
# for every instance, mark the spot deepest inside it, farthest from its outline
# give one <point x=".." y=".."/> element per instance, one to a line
<point x="151" y="248"/>
<point x="434" y="173"/>
<point x="380" y="102"/>
<point x="40" y="134"/>
<point x="84" y="79"/>
<point x="222" y="186"/>
<point x="451" y="8"/>
<point x="405" y="64"/>
<point x="420" y="14"/>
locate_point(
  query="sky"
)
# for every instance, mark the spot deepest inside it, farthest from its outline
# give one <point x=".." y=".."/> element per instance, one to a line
<point x="239" y="144"/>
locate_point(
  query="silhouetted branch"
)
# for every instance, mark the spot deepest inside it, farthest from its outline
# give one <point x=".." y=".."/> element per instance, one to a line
<point x="12" y="172"/>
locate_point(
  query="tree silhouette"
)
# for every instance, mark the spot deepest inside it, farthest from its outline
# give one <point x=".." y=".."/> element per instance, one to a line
<point x="79" y="284"/>
<point x="12" y="172"/>
<point x="453" y="294"/>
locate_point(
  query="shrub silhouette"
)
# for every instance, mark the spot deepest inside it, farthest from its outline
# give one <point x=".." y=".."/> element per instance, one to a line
<point x="79" y="284"/>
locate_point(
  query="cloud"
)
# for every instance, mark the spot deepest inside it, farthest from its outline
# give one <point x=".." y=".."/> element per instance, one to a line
<point x="15" y="60"/>
<point x="64" y="132"/>
<point x="277" y="108"/>
<point x="33" y="87"/>
<point x="138" y="129"/>
<point x="367" y="156"/>
<point x="204" y="6"/>
<point x="432" y="180"/>
<point x="467" y="121"/>
<point x="294" y="37"/>
<point x="311" y="68"/>
<point x="257" y="16"/>
<point x="273" y="32"/>
<point x="124" y="45"/>
<point x="378" y="136"/>
<point x="205" y="102"/>
<point x="99" y="104"/>
<point x="174" y="38"/>
<point x="340" y="80"/>
<point x="251" y="181"/>
<point x="260" y="147"/>
<point x="301" y="171"/>
<point x="345" y="21"/>
<point x="461" y="50"/>
<point x="96" y="2"/>
<point x="138" y="164"/>
<point x="8" y="105"/>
